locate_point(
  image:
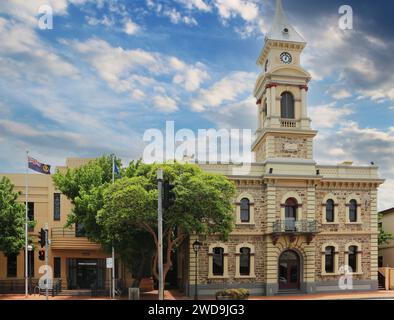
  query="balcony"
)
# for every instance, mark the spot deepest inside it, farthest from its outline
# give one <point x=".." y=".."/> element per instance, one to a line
<point x="294" y="228"/>
<point x="68" y="238"/>
<point x="288" y="123"/>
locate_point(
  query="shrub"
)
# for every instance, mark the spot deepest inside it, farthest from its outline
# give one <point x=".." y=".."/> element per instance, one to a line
<point x="234" y="294"/>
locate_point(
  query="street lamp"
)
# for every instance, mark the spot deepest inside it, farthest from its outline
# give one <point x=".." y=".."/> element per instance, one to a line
<point x="196" y="247"/>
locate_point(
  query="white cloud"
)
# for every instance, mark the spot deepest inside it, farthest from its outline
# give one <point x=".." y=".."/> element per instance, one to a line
<point x="198" y="4"/>
<point x="105" y="21"/>
<point x="19" y="39"/>
<point x="128" y="70"/>
<point x="328" y="115"/>
<point x="227" y="9"/>
<point x="226" y="90"/>
<point x="165" y="104"/>
<point x="340" y="94"/>
<point x="131" y="27"/>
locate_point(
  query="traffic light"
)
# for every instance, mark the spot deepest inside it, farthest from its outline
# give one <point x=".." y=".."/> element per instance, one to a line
<point x="41" y="255"/>
<point x="42" y="238"/>
<point x="169" y="195"/>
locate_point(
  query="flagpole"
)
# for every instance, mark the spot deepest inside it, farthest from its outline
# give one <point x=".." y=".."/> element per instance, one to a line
<point x="113" y="249"/>
<point x="26" y="225"/>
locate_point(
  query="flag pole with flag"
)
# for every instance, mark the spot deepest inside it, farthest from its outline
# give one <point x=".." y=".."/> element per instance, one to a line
<point x="37" y="166"/>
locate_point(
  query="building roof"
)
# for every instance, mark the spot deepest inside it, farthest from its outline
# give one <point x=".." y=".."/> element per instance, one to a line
<point x="391" y="210"/>
<point x="281" y="29"/>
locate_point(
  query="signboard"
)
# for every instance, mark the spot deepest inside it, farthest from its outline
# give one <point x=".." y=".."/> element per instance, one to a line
<point x="109" y="263"/>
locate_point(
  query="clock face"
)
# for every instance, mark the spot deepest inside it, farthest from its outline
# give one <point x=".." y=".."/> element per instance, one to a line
<point x="286" y="57"/>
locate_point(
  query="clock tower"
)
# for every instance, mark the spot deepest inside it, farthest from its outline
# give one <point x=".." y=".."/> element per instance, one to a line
<point x="284" y="129"/>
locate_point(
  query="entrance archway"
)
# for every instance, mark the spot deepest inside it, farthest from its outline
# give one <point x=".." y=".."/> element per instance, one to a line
<point x="289" y="270"/>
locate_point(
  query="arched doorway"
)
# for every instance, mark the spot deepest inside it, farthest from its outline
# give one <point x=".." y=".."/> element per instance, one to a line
<point x="289" y="270"/>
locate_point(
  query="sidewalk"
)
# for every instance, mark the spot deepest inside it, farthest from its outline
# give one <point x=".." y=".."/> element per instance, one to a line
<point x="173" y="295"/>
<point x="176" y="295"/>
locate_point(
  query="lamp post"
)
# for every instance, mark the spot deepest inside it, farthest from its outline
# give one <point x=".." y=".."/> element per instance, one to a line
<point x="196" y="248"/>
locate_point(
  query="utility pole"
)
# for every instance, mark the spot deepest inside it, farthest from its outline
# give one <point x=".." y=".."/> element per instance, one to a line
<point x="160" y="233"/>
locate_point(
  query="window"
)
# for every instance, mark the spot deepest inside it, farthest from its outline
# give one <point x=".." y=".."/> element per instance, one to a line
<point x="57" y="267"/>
<point x="352" y="258"/>
<point x="80" y="230"/>
<point x="56" y="206"/>
<point x="291" y="207"/>
<point x="218" y="262"/>
<point x="330" y="211"/>
<point x="244" y="262"/>
<point x="30" y="213"/>
<point x="245" y="210"/>
<point x="287" y="106"/>
<point x="12" y="266"/>
<point x="353" y="211"/>
<point x="330" y="259"/>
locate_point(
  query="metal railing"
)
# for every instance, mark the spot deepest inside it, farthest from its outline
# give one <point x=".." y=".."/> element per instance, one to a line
<point x="296" y="226"/>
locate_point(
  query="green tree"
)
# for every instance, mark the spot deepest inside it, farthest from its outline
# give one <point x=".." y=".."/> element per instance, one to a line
<point x="384" y="237"/>
<point x="12" y="219"/>
<point x="203" y="206"/>
<point x="84" y="187"/>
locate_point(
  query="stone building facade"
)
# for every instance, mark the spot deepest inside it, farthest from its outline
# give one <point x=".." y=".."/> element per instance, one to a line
<point x="299" y="225"/>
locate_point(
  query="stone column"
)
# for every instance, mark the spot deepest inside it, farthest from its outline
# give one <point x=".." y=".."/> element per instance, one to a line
<point x="268" y="96"/>
<point x="273" y="100"/>
<point x="304" y="112"/>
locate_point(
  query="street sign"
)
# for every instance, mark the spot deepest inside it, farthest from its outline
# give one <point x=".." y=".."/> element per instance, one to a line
<point x="109" y="263"/>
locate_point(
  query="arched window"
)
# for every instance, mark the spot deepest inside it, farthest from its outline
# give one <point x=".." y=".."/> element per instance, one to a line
<point x="218" y="261"/>
<point x="352" y="258"/>
<point x="330" y="210"/>
<point x="287" y="106"/>
<point x="330" y="259"/>
<point x="245" y="210"/>
<point x="244" y="262"/>
<point x="291" y="207"/>
<point x="353" y="211"/>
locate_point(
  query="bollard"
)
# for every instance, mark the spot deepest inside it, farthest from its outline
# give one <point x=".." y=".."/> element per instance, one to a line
<point x="134" y="294"/>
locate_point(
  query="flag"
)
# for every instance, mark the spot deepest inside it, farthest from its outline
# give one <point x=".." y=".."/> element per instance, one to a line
<point x="116" y="169"/>
<point x="39" y="167"/>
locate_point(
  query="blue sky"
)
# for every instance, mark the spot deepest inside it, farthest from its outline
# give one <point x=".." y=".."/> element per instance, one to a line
<point x="109" y="70"/>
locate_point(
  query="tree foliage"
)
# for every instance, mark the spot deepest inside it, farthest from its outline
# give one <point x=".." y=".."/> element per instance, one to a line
<point x="124" y="214"/>
<point x="203" y="205"/>
<point x="384" y="237"/>
<point x="12" y="219"/>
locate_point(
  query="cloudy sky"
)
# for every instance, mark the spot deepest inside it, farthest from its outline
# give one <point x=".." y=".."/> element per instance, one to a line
<point x="111" y="69"/>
